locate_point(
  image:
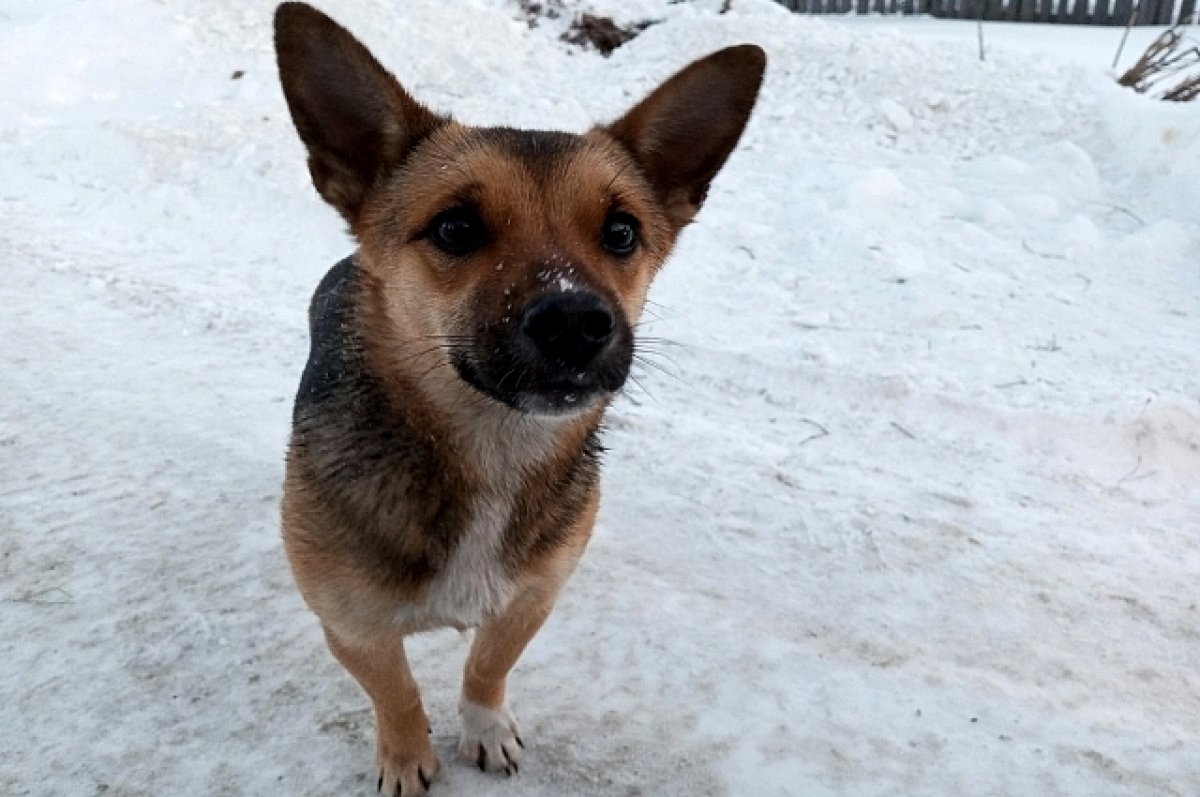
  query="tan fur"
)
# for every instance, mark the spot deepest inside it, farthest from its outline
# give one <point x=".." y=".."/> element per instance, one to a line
<point x="417" y="496"/>
<point x="403" y="753"/>
<point x="548" y="230"/>
<point x="500" y="641"/>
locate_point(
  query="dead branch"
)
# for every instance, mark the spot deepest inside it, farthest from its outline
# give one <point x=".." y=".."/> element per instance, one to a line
<point x="1168" y="56"/>
<point x="821" y="432"/>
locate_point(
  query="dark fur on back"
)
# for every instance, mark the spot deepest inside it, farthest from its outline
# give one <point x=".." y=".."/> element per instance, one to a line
<point x="394" y="500"/>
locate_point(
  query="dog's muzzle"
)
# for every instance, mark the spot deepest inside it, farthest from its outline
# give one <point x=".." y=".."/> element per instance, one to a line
<point x="562" y="353"/>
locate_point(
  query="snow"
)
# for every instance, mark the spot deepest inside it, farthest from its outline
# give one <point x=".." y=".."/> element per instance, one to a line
<point x="905" y="499"/>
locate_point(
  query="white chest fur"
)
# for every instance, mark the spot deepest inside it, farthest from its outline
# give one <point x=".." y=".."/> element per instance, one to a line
<point x="474" y="583"/>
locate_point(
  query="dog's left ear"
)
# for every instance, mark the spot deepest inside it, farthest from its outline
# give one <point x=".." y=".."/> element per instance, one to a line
<point x="682" y="133"/>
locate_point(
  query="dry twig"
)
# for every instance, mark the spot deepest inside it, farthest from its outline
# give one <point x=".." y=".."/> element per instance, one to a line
<point x="821" y="432"/>
<point x="1168" y="56"/>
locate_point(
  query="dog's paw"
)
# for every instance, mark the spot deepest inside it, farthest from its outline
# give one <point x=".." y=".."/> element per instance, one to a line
<point x="406" y="773"/>
<point x="490" y="738"/>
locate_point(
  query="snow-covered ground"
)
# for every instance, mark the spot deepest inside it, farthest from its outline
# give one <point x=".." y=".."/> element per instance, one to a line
<point x="916" y="510"/>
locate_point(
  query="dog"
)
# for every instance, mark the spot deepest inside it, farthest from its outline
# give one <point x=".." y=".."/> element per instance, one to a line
<point x="443" y="468"/>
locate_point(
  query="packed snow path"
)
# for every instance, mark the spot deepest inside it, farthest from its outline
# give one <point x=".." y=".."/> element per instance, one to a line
<point x="914" y="512"/>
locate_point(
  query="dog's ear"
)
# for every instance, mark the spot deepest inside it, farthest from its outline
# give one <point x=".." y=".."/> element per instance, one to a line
<point x="353" y="116"/>
<point x="682" y="133"/>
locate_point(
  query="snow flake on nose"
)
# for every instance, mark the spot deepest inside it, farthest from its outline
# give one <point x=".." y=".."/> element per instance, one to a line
<point x="558" y="270"/>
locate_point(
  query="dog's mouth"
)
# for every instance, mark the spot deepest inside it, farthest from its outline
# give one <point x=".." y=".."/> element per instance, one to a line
<point x="520" y="392"/>
<point x="564" y="354"/>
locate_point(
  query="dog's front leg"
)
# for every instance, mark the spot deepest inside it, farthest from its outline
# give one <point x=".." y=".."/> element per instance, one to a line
<point x="490" y="735"/>
<point x="404" y="755"/>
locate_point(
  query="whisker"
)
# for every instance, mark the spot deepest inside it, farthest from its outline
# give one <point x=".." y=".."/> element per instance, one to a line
<point x="456" y="338"/>
<point x="418" y="355"/>
<point x="437" y="365"/>
<point x="660" y="368"/>
<point x="642" y="387"/>
<point x="473" y="399"/>
<point x="615" y="177"/>
<point x="644" y="352"/>
<point x="664" y="341"/>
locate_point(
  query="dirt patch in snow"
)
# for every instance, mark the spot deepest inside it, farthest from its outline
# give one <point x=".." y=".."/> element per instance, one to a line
<point x="602" y="33"/>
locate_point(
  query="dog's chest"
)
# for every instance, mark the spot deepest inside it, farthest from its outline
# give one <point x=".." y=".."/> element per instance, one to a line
<point x="474" y="583"/>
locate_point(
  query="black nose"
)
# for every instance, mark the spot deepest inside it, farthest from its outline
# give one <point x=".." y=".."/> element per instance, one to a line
<point x="571" y="328"/>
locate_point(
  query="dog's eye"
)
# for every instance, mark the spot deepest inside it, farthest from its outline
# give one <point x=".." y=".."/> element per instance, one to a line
<point x="457" y="232"/>
<point x="620" y="234"/>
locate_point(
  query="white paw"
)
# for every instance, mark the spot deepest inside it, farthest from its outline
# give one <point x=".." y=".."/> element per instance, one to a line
<point x="490" y="738"/>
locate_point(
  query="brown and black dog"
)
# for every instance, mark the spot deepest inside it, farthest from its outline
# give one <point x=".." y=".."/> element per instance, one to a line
<point x="443" y="467"/>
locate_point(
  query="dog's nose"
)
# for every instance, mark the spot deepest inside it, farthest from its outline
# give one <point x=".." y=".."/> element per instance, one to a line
<point x="569" y="327"/>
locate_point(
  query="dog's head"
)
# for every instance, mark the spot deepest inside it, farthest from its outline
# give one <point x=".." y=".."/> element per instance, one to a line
<point x="518" y="258"/>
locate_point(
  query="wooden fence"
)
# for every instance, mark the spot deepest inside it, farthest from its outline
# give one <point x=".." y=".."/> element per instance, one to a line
<point x="1076" y="12"/>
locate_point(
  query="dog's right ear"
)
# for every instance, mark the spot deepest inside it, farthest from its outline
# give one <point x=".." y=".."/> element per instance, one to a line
<point x="353" y="116"/>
